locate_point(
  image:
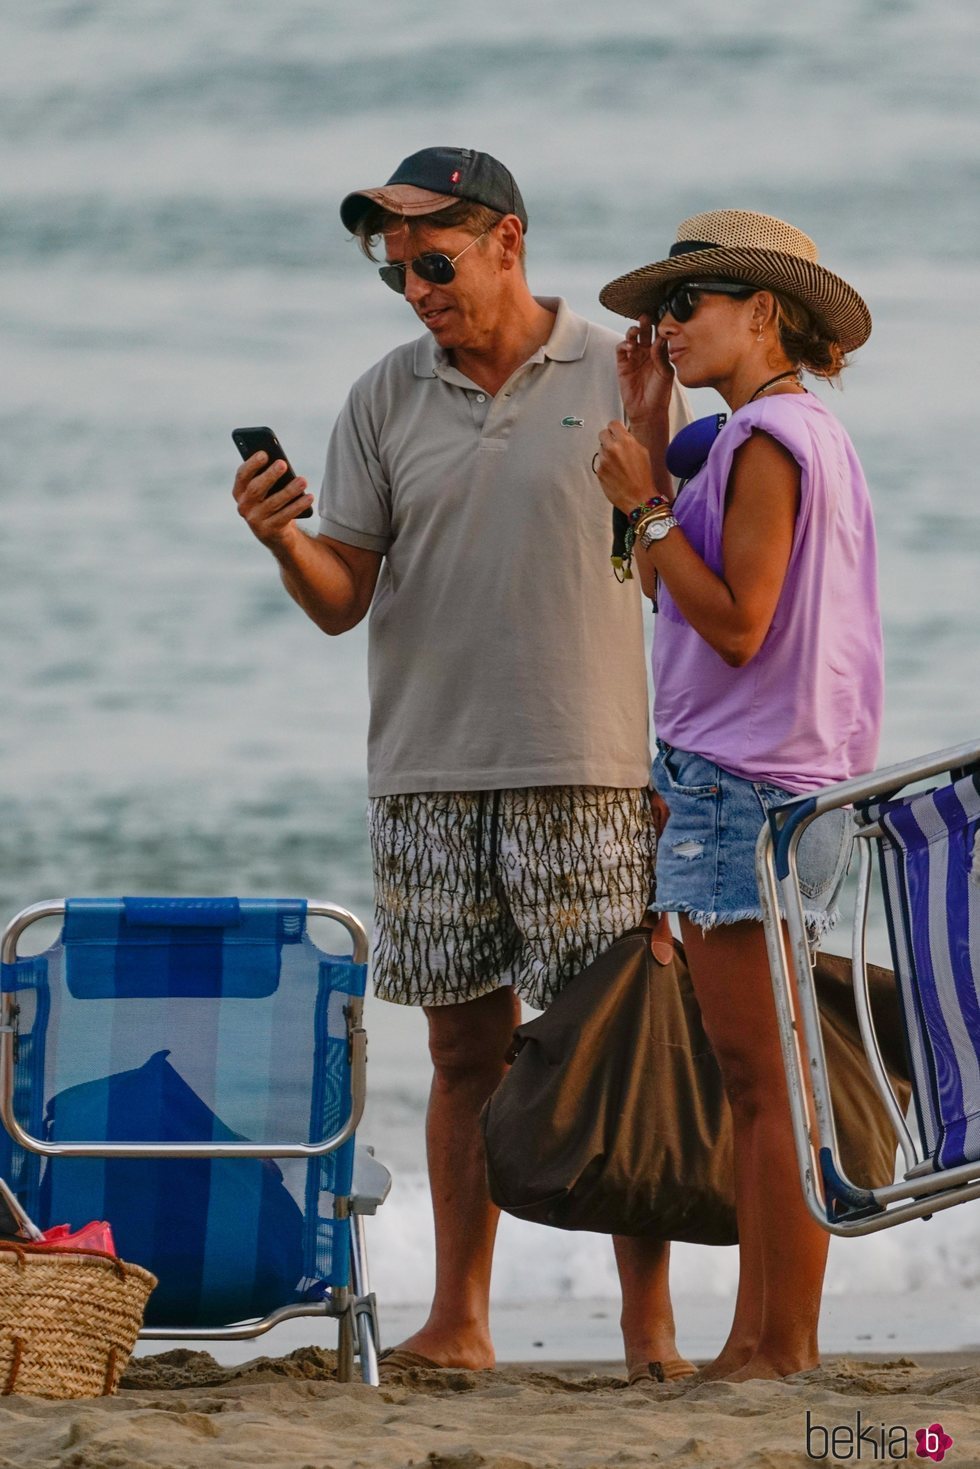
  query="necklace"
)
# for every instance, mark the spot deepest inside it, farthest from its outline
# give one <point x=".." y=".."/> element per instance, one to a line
<point x="781" y="377"/>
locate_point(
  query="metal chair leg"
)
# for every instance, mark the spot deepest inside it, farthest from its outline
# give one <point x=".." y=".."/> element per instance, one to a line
<point x="345" y="1345"/>
<point x="367" y="1341"/>
<point x="365" y="1305"/>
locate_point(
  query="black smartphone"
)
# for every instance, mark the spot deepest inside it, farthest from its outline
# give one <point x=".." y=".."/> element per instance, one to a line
<point x="250" y="440"/>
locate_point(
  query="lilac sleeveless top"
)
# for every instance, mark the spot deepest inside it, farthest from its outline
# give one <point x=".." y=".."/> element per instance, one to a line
<point x="806" y="710"/>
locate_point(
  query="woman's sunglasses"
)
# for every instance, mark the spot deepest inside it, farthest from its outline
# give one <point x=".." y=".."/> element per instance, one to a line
<point x="433" y="267"/>
<point x="683" y="300"/>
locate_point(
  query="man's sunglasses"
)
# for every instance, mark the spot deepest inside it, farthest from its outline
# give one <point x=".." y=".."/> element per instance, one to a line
<point x="433" y="267"/>
<point x="682" y="302"/>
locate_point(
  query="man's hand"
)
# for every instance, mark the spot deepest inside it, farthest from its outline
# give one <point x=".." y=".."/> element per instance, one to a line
<point x="661" y="937"/>
<point x="269" y="517"/>
<point x="646" y="377"/>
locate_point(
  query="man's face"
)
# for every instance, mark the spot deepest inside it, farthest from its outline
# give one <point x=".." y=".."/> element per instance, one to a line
<point x="463" y="313"/>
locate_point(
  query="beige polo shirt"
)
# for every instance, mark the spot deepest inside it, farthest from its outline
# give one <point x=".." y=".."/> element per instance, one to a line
<point x="502" y="650"/>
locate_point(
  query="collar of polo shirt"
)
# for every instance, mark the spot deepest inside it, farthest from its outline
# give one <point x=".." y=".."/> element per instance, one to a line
<point x="567" y="342"/>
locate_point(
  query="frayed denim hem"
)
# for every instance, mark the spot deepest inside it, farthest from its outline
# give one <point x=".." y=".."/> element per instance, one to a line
<point x="819" y="921"/>
<point x="707" y="921"/>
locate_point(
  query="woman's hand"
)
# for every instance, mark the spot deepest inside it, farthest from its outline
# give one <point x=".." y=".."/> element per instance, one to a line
<point x="622" y="465"/>
<point x="645" y="376"/>
<point x="660" y="812"/>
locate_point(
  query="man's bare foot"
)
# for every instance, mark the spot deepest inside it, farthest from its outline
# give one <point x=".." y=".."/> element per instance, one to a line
<point x="470" y="1350"/>
<point x="650" y="1349"/>
<point x="669" y="1369"/>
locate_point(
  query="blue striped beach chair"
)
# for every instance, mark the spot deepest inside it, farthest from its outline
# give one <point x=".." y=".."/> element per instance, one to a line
<point x="193" y="1071"/>
<point x="927" y="846"/>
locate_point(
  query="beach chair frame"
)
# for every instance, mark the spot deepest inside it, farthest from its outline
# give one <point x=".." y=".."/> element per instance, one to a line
<point x="838" y="1204"/>
<point x="354" y="1305"/>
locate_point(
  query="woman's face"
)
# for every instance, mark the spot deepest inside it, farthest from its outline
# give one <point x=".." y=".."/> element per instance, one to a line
<point x="710" y="346"/>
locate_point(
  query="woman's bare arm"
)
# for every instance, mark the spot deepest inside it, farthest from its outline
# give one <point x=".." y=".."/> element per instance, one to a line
<point x="732" y="612"/>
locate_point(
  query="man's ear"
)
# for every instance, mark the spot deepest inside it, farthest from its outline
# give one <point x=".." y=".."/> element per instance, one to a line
<point x="511" y="237"/>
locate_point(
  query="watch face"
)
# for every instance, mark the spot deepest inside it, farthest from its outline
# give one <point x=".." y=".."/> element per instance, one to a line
<point x="658" y="529"/>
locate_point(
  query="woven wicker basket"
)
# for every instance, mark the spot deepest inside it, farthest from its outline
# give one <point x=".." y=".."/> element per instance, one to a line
<point x="68" y="1320"/>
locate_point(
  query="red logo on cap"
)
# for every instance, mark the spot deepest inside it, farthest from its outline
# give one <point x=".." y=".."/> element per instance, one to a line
<point x="454" y="176"/>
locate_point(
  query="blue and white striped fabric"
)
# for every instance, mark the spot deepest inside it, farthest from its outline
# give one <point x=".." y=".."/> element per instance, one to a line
<point x="930" y="860"/>
<point x="183" y="1020"/>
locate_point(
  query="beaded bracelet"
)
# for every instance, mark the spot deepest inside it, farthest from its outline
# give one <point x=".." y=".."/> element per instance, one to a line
<point x="651" y="504"/>
<point x="657" y="509"/>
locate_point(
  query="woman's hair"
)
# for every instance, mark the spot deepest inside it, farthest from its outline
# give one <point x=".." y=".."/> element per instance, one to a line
<point x="476" y="219"/>
<point x="806" y="343"/>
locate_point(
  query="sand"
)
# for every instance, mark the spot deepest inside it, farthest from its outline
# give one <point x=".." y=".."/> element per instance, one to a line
<point x="182" y="1409"/>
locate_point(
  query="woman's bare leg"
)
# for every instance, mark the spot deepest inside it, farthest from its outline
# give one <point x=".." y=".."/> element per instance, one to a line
<point x="783" y="1250"/>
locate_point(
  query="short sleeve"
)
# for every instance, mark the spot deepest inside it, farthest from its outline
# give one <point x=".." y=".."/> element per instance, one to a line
<point x="785" y="419"/>
<point x="355" y="497"/>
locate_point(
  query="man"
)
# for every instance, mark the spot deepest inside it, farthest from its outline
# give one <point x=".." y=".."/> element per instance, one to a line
<point x="508" y="750"/>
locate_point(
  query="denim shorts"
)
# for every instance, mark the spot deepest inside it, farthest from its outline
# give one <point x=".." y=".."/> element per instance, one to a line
<point x="706" y="855"/>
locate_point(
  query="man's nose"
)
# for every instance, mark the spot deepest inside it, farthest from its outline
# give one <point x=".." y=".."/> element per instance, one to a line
<point x="416" y="289"/>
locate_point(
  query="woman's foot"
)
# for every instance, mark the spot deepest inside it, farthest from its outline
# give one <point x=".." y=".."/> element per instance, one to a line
<point x="773" y="1368"/>
<point x="731" y="1358"/>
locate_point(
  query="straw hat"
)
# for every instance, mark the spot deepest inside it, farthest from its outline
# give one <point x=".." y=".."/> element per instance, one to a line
<point x="739" y="245"/>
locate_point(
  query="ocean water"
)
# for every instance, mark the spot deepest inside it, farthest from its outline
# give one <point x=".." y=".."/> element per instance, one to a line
<point x="174" y="266"/>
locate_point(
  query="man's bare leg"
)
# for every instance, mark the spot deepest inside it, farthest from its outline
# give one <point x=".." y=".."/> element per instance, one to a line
<point x="648" y="1318"/>
<point x="467" y="1043"/>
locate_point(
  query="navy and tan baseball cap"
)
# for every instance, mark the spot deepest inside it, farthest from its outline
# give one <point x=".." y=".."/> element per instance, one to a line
<point x="435" y="178"/>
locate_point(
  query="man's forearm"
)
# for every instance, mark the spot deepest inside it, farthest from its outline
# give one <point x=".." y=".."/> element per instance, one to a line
<point x="319" y="581"/>
<point x="332" y="581"/>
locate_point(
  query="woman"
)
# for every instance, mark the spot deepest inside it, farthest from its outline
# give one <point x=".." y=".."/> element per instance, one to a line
<point x="767" y="671"/>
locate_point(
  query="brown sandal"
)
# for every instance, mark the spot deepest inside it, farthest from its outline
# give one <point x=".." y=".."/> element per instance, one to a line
<point x="401" y="1359"/>
<point x="675" y="1371"/>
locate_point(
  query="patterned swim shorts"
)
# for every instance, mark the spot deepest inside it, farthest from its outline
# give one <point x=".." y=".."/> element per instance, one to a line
<point x="478" y="889"/>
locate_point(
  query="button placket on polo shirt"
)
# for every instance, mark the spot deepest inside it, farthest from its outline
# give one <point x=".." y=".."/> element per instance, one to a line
<point x="480" y="406"/>
<point x="504" y="409"/>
